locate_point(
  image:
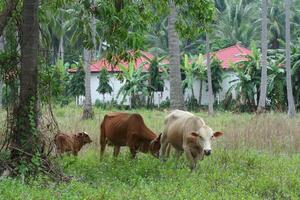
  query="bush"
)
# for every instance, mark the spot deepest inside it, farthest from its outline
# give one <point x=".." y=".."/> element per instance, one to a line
<point x="165" y="104"/>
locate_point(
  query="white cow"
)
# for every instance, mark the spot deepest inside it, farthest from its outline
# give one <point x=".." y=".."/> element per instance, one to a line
<point x="187" y="133"/>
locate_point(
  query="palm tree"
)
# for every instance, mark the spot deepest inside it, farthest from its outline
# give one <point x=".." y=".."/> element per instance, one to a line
<point x="264" y="48"/>
<point x="87" y="107"/>
<point x="201" y="75"/>
<point x="25" y="136"/>
<point x="88" y="56"/>
<point x="291" y="105"/>
<point x="210" y="90"/>
<point x="157" y="38"/>
<point x="237" y="22"/>
<point x="276" y="21"/>
<point x="176" y="95"/>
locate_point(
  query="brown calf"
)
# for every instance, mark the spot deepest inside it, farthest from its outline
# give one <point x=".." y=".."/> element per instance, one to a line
<point x="71" y="143"/>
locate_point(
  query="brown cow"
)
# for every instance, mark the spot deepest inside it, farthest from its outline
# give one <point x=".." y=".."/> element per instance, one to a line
<point x="71" y="143"/>
<point x="125" y="129"/>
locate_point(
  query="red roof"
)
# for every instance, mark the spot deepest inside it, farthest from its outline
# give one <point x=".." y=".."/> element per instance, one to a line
<point x="227" y="56"/>
<point x="104" y="63"/>
<point x="231" y="55"/>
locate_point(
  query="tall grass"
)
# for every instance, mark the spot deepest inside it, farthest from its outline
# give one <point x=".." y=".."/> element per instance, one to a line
<point x="272" y="132"/>
<point x="247" y="163"/>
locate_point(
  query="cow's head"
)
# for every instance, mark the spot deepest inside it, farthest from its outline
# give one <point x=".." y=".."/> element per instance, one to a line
<point x="83" y="137"/>
<point x="206" y="135"/>
<point x="155" y="146"/>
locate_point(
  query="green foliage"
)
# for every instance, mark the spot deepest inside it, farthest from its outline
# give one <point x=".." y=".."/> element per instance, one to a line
<point x="104" y="86"/>
<point x="248" y="82"/>
<point x="134" y="83"/>
<point x="76" y="85"/>
<point x="216" y="76"/>
<point x="157" y="73"/>
<point x="53" y="83"/>
<point x="194" y="17"/>
<point x="238" y="22"/>
<point x="190" y="70"/>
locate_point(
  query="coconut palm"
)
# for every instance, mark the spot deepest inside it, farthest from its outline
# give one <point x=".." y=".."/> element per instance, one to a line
<point x="237" y="22"/>
<point x="264" y="63"/>
<point x="202" y="76"/>
<point x="25" y="137"/>
<point x="176" y="95"/>
<point x="210" y="89"/>
<point x="291" y="104"/>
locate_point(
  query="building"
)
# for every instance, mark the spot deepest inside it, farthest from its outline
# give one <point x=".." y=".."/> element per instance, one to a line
<point x="227" y="56"/>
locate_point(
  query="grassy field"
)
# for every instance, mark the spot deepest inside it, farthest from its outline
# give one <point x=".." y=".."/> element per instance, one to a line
<point x="257" y="158"/>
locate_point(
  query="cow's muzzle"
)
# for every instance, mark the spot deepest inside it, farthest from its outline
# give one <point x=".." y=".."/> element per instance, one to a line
<point x="207" y="152"/>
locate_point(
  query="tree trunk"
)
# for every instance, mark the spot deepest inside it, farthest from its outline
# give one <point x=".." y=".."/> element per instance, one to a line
<point x="210" y="91"/>
<point x="6" y="13"/>
<point x="200" y="93"/>
<point x="291" y="104"/>
<point x="25" y="136"/>
<point x="176" y="93"/>
<point x="61" y="50"/>
<point x="1" y="83"/>
<point x="88" y="56"/>
<point x="87" y="108"/>
<point x="264" y="48"/>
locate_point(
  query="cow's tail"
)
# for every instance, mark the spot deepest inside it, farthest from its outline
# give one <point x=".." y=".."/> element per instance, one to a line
<point x="102" y="137"/>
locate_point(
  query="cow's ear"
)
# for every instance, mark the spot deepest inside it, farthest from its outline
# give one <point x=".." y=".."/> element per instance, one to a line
<point x="218" y="134"/>
<point x="194" y="134"/>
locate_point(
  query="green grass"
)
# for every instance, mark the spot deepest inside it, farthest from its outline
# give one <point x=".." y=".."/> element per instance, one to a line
<point x="237" y="169"/>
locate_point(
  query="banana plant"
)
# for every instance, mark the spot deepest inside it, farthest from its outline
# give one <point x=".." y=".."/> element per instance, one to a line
<point x="134" y="82"/>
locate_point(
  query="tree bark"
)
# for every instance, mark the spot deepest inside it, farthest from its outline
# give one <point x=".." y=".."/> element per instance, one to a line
<point x="210" y="90"/>
<point x="1" y="83"/>
<point x="26" y="136"/>
<point x="264" y="48"/>
<point x="87" y="108"/>
<point x="7" y="13"/>
<point x="200" y="93"/>
<point x="88" y="56"/>
<point x="61" y="50"/>
<point x="176" y="93"/>
<point x="291" y="104"/>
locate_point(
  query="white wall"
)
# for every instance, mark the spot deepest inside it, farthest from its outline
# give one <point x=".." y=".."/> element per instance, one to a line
<point x="160" y="96"/>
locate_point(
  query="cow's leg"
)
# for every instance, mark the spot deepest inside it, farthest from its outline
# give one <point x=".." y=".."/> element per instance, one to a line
<point x="163" y="147"/>
<point x="116" y="151"/>
<point x="103" y="142"/>
<point x="189" y="157"/>
<point x="133" y="153"/>
<point x="199" y="156"/>
<point x="132" y="143"/>
<point x="75" y="153"/>
<point x="177" y="155"/>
